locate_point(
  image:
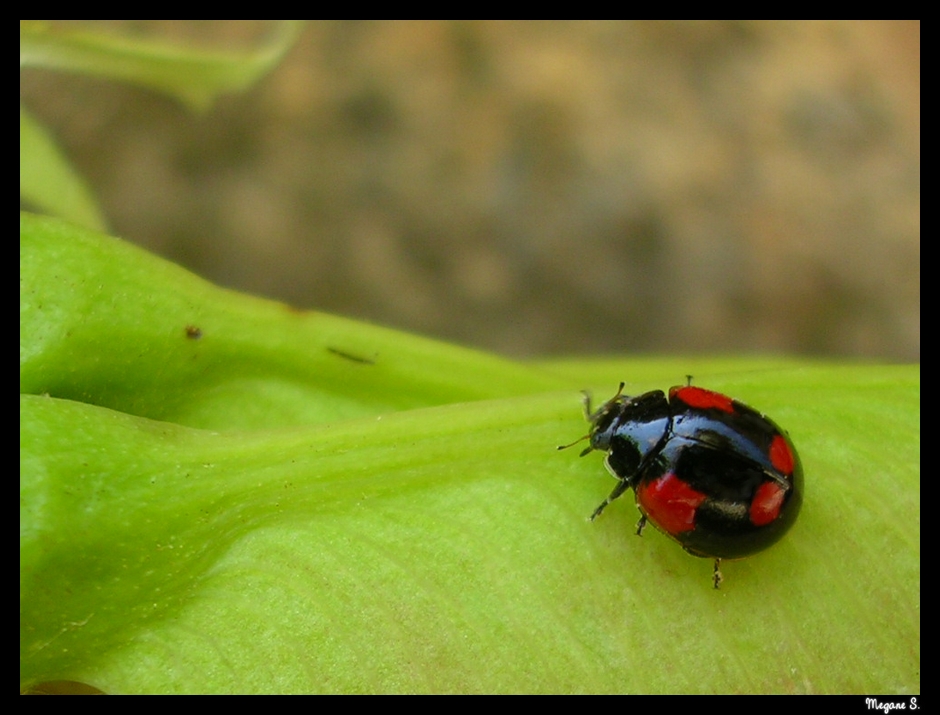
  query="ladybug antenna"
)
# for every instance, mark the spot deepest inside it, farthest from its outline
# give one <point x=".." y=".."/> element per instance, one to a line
<point x="586" y="403"/>
<point x="579" y="439"/>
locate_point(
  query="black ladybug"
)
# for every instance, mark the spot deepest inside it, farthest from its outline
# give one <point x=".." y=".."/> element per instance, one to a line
<point x="708" y="471"/>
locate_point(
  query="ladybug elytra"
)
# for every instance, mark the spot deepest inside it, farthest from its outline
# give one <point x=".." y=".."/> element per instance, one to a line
<point x="710" y="472"/>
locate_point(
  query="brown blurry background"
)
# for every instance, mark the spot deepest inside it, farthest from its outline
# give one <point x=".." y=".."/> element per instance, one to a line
<point x="539" y="188"/>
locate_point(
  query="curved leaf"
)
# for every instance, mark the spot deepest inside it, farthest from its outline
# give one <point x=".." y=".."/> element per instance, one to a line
<point x="416" y="530"/>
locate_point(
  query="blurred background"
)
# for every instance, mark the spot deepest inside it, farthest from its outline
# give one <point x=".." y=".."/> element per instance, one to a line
<point x="538" y="188"/>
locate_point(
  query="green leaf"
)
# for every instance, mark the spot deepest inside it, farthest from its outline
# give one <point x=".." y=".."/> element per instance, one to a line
<point x="193" y="76"/>
<point x="414" y="529"/>
<point x="196" y="77"/>
<point x="104" y="322"/>
<point x="47" y="180"/>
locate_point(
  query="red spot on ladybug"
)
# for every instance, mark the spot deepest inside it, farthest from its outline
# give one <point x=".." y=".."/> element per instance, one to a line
<point x="765" y="508"/>
<point x="702" y="399"/>
<point x="670" y="503"/>
<point x="780" y="455"/>
<point x="713" y="474"/>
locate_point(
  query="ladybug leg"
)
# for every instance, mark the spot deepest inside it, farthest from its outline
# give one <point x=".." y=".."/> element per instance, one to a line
<point x="717" y="578"/>
<point x="640" y="525"/>
<point x="622" y="486"/>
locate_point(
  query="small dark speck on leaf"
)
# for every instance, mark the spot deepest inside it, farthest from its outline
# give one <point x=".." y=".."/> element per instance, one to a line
<point x="349" y="356"/>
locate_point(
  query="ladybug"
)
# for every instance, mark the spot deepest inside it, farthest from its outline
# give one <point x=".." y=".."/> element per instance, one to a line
<point x="708" y="471"/>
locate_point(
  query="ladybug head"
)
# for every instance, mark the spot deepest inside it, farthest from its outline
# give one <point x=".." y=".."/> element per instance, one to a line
<point x="601" y="421"/>
<point x="638" y="422"/>
<point x="605" y="419"/>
